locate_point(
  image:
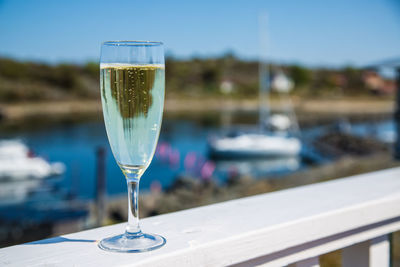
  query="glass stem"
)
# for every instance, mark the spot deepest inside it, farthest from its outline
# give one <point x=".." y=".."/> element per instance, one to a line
<point x="133" y="228"/>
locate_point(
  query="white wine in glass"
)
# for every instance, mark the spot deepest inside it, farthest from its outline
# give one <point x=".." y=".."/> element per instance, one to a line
<point x="132" y="83"/>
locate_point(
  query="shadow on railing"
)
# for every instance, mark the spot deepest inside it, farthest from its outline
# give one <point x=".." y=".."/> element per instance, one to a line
<point x="59" y="239"/>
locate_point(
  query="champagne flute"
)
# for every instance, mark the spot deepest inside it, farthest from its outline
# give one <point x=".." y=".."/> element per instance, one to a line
<point x="132" y="94"/>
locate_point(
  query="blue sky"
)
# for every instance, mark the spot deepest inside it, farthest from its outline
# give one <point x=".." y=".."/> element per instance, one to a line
<point x="312" y="32"/>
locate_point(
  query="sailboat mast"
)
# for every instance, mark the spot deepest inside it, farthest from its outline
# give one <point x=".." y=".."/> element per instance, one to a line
<point x="263" y="70"/>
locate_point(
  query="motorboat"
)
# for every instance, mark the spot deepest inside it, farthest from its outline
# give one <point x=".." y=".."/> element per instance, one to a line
<point x="17" y="162"/>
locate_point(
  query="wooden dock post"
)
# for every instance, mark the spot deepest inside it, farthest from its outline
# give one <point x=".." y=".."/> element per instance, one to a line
<point x="100" y="185"/>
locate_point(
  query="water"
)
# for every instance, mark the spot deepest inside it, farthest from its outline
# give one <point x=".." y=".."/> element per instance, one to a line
<point x="75" y="145"/>
<point x="182" y="149"/>
<point x="383" y="131"/>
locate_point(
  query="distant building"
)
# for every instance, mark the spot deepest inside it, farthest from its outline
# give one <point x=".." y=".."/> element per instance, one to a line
<point x="338" y="80"/>
<point x="377" y="84"/>
<point x="227" y="86"/>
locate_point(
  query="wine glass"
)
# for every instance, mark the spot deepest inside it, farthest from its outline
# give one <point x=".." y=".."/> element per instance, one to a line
<point x="132" y="94"/>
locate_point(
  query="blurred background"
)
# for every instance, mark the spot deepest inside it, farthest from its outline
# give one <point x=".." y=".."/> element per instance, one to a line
<point x="313" y="82"/>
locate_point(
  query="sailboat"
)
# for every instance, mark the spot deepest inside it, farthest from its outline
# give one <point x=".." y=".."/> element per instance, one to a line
<point x="274" y="137"/>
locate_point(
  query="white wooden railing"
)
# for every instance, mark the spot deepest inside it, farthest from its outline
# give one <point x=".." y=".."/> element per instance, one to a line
<point x="292" y="226"/>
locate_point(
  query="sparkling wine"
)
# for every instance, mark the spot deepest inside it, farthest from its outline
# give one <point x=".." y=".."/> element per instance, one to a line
<point x="133" y="100"/>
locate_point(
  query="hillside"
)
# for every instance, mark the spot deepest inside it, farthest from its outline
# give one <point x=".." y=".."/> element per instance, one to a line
<point x="207" y="77"/>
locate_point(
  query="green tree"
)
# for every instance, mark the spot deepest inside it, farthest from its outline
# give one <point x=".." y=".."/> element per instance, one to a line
<point x="301" y="76"/>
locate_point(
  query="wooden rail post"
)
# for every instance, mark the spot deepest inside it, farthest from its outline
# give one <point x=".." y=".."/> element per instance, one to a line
<point x="397" y="117"/>
<point x="372" y="253"/>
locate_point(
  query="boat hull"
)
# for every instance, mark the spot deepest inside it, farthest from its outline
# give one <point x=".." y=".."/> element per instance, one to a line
<point x="255" y="146"/>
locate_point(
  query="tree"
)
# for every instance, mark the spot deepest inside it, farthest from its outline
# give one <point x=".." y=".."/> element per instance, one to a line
<point x="300" y="75"/>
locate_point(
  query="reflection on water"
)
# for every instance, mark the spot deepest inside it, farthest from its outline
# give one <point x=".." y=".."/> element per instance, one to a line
<point x="30" y="208"/>
<point x="258" y="167"/>
<point x="383" y="131"/>
<point x="14" y="192"/>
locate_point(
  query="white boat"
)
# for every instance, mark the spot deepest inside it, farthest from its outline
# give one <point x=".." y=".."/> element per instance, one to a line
<point x="18" y="163"/>
<point x="255" y="146"/>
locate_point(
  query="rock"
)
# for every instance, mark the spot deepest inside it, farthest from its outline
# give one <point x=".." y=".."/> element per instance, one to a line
<point x="339" y="144"/>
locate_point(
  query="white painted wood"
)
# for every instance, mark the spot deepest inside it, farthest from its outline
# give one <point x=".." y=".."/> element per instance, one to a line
<point x="325" y="245"/>
<point x="379" y="252"/>
<point x="311" y="262"/>
<point x="372" y="253"/>
<point x="273" y="229"/>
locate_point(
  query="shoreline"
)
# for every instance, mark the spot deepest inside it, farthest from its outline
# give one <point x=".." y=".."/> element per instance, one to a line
<point x="310" y="108"/>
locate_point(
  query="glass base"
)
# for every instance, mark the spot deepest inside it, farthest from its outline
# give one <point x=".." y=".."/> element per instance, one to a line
<point x="132" y="243"/>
